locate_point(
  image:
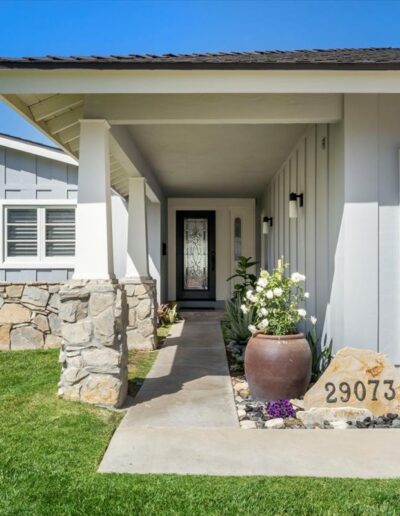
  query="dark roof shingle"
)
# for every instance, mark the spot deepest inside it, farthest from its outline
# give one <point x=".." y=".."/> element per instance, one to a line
<point x="347" y="58"/>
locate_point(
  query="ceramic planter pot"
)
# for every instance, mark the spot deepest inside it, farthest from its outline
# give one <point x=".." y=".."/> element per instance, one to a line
<point x="277" y="367"/>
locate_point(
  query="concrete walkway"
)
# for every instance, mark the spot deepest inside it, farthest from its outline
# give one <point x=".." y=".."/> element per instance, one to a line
<point x="184" y="421"/>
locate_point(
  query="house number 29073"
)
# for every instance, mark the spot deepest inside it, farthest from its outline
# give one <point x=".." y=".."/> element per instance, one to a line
<point x="344" y="391"/>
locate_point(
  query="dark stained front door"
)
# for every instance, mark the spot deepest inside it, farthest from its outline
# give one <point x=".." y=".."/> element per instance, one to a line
<point x="195" y="255"/>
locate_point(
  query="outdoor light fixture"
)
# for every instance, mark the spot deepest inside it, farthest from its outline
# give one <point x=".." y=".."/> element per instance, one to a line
<point x="267" y="221"/>
<point x="293" y="197"/>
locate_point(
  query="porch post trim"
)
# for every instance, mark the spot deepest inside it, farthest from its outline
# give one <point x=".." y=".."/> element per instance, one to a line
<point x="93" y="255"/>
<point x="137" y="265"/>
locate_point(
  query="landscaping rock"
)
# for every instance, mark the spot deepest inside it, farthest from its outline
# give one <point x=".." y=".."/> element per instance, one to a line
<point x="317" y="416"/>
<point x="276" y="423"/>
<point x="339" y="425"/>
<point x="248" y="425"/>
<point x="374" y="383"/>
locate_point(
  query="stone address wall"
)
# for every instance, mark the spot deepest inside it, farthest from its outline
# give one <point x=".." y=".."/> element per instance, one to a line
<point x="29" y="315"/>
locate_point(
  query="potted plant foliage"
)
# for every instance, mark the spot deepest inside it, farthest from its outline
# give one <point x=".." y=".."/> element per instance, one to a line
<point x="278" y="357"/>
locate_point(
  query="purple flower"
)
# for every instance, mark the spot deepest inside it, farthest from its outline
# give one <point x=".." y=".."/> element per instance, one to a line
<point x="280" y="408"/>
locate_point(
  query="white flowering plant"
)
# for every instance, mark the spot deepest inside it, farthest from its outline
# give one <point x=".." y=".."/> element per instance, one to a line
<point x="276" y="301"/>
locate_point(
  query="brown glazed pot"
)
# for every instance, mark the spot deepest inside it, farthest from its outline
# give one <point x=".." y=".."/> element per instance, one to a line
<point x="277" y="367"/>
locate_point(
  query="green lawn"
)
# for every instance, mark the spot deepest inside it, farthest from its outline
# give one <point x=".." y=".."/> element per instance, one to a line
<point x="50" y="449"/>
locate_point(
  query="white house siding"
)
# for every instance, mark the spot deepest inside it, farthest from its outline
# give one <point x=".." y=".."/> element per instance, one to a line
<point x="304" y="242"/>
<point x="372" y="142"/>
<point x="346" y="238"/>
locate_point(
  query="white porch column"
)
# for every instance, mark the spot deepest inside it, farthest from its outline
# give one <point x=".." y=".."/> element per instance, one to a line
<point x="137" y="265"/>
<point x="140" y="288"/>
<point x="93" y="256"/>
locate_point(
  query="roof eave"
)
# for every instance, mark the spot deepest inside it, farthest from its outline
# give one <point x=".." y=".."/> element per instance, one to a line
<point x="12" y="65"/>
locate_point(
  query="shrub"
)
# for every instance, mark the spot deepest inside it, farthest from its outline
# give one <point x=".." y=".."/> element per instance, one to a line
<point x="237" y="322"/>
<point x="276" y="301"/>
<point x="168" y="313"/>
<point x="248" y="280"/>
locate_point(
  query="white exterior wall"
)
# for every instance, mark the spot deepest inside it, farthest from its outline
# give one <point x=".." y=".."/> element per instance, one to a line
<point x="226" y="212"/>
<point x="346" y="238"/>
<point x="304" y="171"/>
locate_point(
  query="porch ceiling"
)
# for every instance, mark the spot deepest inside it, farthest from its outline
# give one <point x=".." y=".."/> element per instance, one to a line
<point x="215" y="160"/>
<point x="58" y="117"/>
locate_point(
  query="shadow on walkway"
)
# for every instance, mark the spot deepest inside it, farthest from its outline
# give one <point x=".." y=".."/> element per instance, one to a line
<point x="189" y="383"/>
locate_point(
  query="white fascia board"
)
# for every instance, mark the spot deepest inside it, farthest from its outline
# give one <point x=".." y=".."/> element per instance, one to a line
<point x="38" y="202"/>
<point x="198" y="81"/>
<point x="37" y="150"/>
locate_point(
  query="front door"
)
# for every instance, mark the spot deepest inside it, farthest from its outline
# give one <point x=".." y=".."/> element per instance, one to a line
<point x="195" y="255"/>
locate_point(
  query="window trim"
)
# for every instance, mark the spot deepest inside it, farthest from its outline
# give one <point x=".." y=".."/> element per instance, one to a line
<point x="40" y="261"/>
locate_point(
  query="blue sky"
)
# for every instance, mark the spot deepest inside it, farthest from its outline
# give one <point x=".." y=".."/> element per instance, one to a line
<point x="130" y="26"/>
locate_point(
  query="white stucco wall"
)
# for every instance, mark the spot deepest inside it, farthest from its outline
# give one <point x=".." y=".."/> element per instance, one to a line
<point x="346" y="238"/>
<point x="226" y="211"/>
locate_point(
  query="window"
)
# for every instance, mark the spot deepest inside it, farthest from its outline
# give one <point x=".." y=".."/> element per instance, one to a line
<point x="39" y="233"/>
<point x="238" y="238"/>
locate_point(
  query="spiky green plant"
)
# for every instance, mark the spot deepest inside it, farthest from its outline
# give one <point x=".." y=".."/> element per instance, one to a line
<point x="238" y="322"/>
<point x="321" y="354"/>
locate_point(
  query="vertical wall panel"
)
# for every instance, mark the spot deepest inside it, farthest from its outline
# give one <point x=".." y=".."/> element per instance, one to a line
<point x="301" y="180"/>
<point x="293" y="222"/>
<point x="309" y="207"/>
<point x="322" y="259"/>
<point x="276" y="217"/>
<point x="281" y="220"/>
<point x="286" y="212"/>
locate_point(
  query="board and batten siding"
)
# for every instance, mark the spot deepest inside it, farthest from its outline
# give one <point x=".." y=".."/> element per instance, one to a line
<point x="346" y="238"/>
<point x="314" y="167"/>
<point x="27" y="176"/>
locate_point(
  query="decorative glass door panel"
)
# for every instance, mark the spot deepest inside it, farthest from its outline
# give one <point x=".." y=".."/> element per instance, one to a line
<point x="195" y="254"/>
<point x="195" y="249"/>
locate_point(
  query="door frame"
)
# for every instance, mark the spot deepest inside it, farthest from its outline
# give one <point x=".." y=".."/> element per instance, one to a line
<point x="196" y="295"/>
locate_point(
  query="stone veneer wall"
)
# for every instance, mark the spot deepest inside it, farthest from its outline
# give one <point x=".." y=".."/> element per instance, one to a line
<point x="29" y="315"/>
<point x="94" y="353"/>
<point x="141" y="295"/>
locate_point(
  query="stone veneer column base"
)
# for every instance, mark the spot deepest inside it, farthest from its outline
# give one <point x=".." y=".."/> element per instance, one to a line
<point x="141" y="296"/>
<point x="94" y="351"/>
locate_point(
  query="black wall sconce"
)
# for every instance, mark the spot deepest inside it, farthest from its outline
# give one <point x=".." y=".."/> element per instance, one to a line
<point x="267" y="223"/>
<point x="295" y="200"/>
